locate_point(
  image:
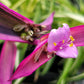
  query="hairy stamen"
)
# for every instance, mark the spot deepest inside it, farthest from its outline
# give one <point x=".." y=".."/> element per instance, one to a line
<point x="43" y="26"/>
<point x="27" y="37"/>
<point x="31" y="31"/>
<point x="50" y="54"/>
<point x="19" y="28"/>
<point x="60" y="47"/>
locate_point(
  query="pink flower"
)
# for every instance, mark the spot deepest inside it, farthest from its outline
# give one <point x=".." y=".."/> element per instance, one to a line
<point x="7" y="60"/>
<point x="13" y="26"/>
<point x="60" y="41"/>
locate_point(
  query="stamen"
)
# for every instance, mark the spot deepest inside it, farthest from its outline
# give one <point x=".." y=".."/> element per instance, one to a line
<point x="70" y="45"/>
<point x="36" y="30"/>
<point x="54" y="44"/>
<point x="27" y="37"/>
<point x="43" y="26"/>
<point x="63" y="41"/>
<point x="31" y="39"/>
<point x="48" y="56"/>
<point x="72" y="39"/>
<point x="38" y="53"/>
<point x="30" y="33"/>
<point x="26" y="30"/>
<point x="60" y="47"/>
<point x="43" y="32"/>
<point x="19" y="28"/>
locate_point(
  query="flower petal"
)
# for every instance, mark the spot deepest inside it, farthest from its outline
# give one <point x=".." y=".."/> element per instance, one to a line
<point x="28" y="65"/>
<point x="7" y="60"/>
<point x="68" y="52"/>
<point x="78" y="34"/>
<point x="58" y="35"/>
<point x="48" y="22"/>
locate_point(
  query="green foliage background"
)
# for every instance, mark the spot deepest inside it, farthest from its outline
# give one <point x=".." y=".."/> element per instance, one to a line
<point x="66" y="11"/>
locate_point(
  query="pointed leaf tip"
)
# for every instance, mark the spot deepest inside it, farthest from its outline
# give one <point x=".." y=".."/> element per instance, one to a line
<point x="48" y="22"/>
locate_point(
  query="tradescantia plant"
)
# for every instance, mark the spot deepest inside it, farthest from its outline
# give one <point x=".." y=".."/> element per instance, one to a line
<point x="61" y="41"/>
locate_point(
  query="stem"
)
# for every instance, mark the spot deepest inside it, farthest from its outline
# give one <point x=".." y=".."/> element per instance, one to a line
<point x="17" y="59"/>
<point x="36" y="76"/>
<point x="18" y="81"/>
<point x="37" y="15"/>
<point x="17" y="4"/>
<point x="20" y="54"/>
<point x="65" y="72"/>
<point x="75" y="16"/>
<point x="75" y="78"/>
<point x="47" y="66"/>
<point x="51" y="6"/>
<point x="6" y="2"/>
<point x="1" y="41"/>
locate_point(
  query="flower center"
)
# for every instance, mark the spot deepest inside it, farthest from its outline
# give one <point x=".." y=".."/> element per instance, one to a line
<point x="70" y="42"/>
<point x="29" y="31"/>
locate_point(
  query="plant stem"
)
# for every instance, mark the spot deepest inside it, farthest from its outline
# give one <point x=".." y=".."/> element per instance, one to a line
<point x="17" y="4"/>
<point x="75" y="78"/>
<point x="36" y="76"/>
<point x="65" y="73"/>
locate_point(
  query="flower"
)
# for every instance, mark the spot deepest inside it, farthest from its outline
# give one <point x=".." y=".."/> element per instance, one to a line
<point x="49" y="46"/>
<point x="7" y="60"/>
<point x="61" y="41"/>
<point x="14" y="26"/>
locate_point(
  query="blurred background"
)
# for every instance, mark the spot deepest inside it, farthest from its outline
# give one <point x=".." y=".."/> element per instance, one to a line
<point x="57" y="70"/>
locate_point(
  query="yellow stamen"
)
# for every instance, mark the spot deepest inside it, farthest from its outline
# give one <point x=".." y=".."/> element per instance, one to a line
<point x="72" y="39"/>
<point x="63" y="41"/>
<point x="71" y="45"/>
<point x="54" y="44"/>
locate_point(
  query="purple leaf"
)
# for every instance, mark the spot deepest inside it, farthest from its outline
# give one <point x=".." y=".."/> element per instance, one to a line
<point x="29" y="65"/>
<point x="78" y="33"/>
<point x="7" y="61"/>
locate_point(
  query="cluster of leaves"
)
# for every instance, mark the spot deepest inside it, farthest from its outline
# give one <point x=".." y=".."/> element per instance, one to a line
<point x="66" y="11"/>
